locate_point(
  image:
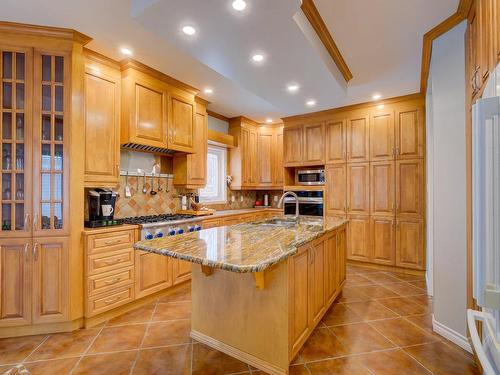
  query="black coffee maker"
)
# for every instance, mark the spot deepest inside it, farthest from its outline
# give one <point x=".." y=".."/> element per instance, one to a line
<point x="101" y="204"/>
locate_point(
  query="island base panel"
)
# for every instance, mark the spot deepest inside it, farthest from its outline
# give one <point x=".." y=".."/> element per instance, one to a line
<point x="231" y="315"/>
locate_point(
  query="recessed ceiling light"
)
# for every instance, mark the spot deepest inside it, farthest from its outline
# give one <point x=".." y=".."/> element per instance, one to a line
<point x="208" y="90"/>
<point x="376" y="96"/>
<point x="189" y="30"/>
<point x="293" y="87"/>
<point x="258" y="57"/>
<point x="239" y="5"/>
<point x="311" y="103"/>
<point x="126" y="51"/>
<point x="269" y="120"/>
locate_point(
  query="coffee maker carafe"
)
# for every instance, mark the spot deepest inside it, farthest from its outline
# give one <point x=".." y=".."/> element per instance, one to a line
<point x="101" y="204"/>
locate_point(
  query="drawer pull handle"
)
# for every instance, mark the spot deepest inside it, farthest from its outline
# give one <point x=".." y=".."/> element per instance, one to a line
<point x="114" y="242"/>
<point x="112" y="300"/>
<point x="113" y="261"/>
<point x="115" y="280"/>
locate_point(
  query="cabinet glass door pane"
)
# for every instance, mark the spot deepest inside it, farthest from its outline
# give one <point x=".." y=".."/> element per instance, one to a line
<point x="13" y="106"/>
<point x="52" y="144"/>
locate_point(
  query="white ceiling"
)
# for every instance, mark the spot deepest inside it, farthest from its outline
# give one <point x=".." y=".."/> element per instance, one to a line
<point x="381" y="41"/>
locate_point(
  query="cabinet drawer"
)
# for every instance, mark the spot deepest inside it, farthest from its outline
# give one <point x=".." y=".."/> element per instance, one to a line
<point x="109" y="281"/>
<point x="211" y="224"/>
<point x="100" y="263"/>
<point x="99" y="305"/>
<point x="110" y="241"/>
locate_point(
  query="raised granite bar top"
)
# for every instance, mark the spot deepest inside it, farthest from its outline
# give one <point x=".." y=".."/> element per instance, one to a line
<point x="247" y="247"/>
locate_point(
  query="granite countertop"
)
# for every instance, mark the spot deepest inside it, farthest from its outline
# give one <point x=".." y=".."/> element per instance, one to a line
<point x="247" y="247"/>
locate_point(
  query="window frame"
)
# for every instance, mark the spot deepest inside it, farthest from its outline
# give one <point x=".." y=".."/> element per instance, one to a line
<point x="221" y="198"/>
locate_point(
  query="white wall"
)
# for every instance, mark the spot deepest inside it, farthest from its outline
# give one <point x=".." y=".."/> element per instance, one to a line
<point x="447" y="180"/>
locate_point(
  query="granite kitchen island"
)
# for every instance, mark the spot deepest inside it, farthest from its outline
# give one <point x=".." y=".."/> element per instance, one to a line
<point x="260" y="288"/>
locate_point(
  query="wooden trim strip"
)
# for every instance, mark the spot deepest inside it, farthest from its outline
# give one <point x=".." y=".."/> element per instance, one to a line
<point x="218" y="116"/>
<point x="436" y="32"/>
<point x="134" y="64"/>
<point x="44" y="31"/>
<point x="97" y="57"/>
<point x="319" y="26"/>
<point x="332" y="111"/>
<point x="218" y="137"/>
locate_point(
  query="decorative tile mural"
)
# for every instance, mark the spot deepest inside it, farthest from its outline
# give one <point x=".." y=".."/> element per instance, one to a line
<point x="168" y="199"/>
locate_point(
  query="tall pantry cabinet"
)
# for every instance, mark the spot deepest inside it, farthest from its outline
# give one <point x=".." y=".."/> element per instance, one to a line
<point x="375" y="177"/>
<point x="41" y="112"/>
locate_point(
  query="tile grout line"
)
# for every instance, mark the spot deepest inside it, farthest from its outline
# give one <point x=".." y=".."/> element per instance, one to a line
<point x="36" y="348"/>
<point x="88" y="348"/>
<point x="415" y="359"/>
<point x="148" y="324"/>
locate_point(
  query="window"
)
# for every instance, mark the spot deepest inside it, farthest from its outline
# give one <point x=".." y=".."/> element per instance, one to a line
<point x="215" y="189"/>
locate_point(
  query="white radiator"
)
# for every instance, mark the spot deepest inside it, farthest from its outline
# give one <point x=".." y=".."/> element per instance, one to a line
<point x="486" y="227"/>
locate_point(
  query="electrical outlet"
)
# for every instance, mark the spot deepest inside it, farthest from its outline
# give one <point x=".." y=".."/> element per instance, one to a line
<point x="233" y="198"/>
<point x="241" y="198"/>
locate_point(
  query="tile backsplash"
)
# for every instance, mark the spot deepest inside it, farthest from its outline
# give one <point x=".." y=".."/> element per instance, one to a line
<point x="167" y="200"/>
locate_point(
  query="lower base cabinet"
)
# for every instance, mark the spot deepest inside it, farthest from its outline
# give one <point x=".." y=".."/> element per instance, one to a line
<point x="181" y="270"/>
<point x="152" y="273"/>
<point x="34" y="281"/>
<point x="383" y="250"/>
<point x="358" y="247"/>
<point x="410" y="243"/>
<point x="316" y="275"/>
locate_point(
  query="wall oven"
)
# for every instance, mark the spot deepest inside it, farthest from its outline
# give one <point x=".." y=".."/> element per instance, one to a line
<point x="310" y="177"/>
<point x="310" y="203"/>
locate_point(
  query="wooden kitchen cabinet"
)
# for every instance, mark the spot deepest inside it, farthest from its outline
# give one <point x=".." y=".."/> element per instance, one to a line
<point x="317" y="263"/>
<point x="153" y="272"/>
<point x="257" y="161"/>
<point x="181" y="271"/>
<point x="15" y="282"/>
<point x="265" y="150"/>
<point x="157" y="110"/>
<point x="410" y="138"/>
<point x="336" y="141"/>
<point x="383" y="240"/>
<point x="382" y="189"/>
<point x="332" y="257"/>
<point x="358" y="188"/>
<point x="293" y="150"/>
<point x="181" y="122"/>
<point x="102" y="120"/>
<point x="299" y="274"/>
<point x="358" y="139"/>
<point x="50" y="280"/>
<point x="410" y="252"/>
<point x="410" y="188"/>
<point x="336" y="194"/>
<point x="314" y="140"/>
<point x="382" y="135"/>
<point x="144" y="110"/>
<point x="190" y="170"/>
<point x="279" y="178"/>
<point x="358" y="238"/>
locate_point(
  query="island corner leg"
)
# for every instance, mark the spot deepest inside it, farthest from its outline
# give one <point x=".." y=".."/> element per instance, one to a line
<point x="207" y="271"/>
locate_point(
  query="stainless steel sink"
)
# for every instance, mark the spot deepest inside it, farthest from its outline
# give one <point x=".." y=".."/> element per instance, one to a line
<point x="278" y="222"/>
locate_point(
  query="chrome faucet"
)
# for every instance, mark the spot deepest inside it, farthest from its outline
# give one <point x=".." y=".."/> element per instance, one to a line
<point x="287" y="193"/>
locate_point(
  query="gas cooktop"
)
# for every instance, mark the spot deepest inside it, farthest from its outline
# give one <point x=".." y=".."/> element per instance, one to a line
<point x="155" y="218"/>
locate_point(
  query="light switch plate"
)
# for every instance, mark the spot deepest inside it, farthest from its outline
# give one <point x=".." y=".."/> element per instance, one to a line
<point x="233" y="198"/>
<point x="241" y="198"/>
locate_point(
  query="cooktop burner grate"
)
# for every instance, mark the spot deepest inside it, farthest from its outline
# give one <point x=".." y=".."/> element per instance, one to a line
<point x="155" y="218"/>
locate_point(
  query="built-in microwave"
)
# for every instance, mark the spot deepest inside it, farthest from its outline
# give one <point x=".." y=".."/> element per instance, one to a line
<point x="310" y="203"/>
<point x="310" y="177"/>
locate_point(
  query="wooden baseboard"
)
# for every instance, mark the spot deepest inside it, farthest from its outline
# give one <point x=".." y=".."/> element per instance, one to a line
<point x="41" y="329"/>
<point x="238" y="354"/>
<point x="383" y="267"/>
<point x="98" y="319"/>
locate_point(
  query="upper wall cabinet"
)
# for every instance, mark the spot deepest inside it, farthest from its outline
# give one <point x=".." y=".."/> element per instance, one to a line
<point x="358" y="139"/>
<point x="157" y="111"/>
<point x="382" y="135"/>
<point x="410" y="141"/>
<point x="304" y="145"/>
<point x="102" y="120"/>
<point x="256" y="162"/>
<point x="190" y="170"/>
<point x="336" y="141"/>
